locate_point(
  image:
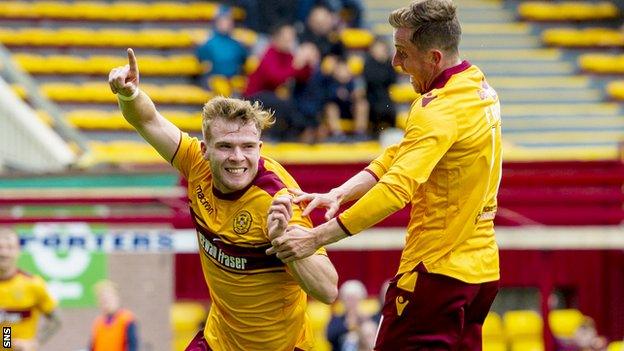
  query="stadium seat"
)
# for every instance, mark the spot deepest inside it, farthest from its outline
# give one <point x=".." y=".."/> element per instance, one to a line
<point x="186" y="318"/>
<point x="114" y="11"/>
<point x="98" y="92"/>
<point x="616" y="346"/>
<point x="564" y="323"/>
<point x="567" y="11"/>
<point x="527" y="345"/>
<point x="615" y="90"/>
<point x="493" y="327"/>
<point x="588" y="37"/>
<point x="523" y="325"/>
<point x="602" y="63"/>
<point x="355" y="38"/>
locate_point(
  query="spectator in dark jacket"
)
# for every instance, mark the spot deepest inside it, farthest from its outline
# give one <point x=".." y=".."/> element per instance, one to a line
<point x="379" y="75"/>
<point x="282" y="65"/>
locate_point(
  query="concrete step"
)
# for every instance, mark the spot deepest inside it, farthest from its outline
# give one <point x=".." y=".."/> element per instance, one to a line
<point x="540" y="82"/>
<point x="557" y="109"/>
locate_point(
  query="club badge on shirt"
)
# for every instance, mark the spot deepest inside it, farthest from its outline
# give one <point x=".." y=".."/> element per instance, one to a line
<point x="242" y="222"/>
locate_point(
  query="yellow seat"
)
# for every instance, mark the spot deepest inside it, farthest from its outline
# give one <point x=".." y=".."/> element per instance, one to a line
<point x="15" y="9"/>
<point x="356" y="65"/>
<point x="567" y="11"/>
<point x="615" y="89"/>
<point x="186" y="318"/>
<point x="616" y="346"/>
<point x="246" y="36"/>
<point x="564" y="323"/>
<point x="527" y="345"/>
<point x="523" y="325"/>
<point x="356" y="38"/>
<point x="493" y="328"/>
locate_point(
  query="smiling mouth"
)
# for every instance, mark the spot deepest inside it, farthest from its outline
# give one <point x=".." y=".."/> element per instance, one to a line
<point x="236" y="170"/>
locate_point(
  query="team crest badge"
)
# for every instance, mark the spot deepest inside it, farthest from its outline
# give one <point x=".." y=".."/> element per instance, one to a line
<point x="242" y="222"/>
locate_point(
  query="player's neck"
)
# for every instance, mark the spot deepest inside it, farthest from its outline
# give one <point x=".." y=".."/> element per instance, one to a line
<point x="7" y="274"/>
<point x="450" y="62"/>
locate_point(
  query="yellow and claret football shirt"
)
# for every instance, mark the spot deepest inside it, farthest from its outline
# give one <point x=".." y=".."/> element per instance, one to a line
<point x="256" y="303"/>
<point x="23" y="298"/>
<point x="448" y="167"/>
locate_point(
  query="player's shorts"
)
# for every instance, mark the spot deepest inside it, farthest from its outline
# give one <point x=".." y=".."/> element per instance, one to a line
<point x="424" y="311"/>
<point x="200" y="344"/>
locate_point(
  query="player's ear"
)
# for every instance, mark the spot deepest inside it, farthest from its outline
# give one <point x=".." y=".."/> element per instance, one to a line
<point x="435" y="56"/>
<point x="204" y="149"/>
<point x="260" y="144"/>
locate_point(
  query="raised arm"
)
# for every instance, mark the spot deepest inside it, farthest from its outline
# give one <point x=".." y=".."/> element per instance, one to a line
<point x="315" y="274"/>
<point x="139" y="110"/>
<point x="352" y="189"/>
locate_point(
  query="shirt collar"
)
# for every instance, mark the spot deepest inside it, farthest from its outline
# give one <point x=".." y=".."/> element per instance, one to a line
<point x="441" y="80"/>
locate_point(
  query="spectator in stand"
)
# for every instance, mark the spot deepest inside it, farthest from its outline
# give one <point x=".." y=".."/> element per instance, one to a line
<point x="352" y="11"/>
<point x="343" y="330"/>
<point x="309" y="97"/>
<point x="346" y="99"/>
<point x="378" y="76"/>
<point x="282" y="64"/>
<point x="320" y="30"/>
<point x="586" y="338"/>
<point x="251" y="8"/>
<point x="275" y="11"/>
<point x="115" y="329"/>
<point x="221" y="54"/>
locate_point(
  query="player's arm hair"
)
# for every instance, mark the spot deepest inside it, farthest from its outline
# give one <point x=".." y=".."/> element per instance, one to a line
<point x="158" y="131"/>
<point x="317" y="277"/>
<point x="52" y="324"/>
<point x="355" y="187"/>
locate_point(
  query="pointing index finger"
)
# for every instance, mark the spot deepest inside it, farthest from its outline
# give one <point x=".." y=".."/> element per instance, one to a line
<point x="132" y="61"/>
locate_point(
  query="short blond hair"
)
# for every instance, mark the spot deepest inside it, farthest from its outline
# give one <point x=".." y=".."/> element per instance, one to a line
<point x="239" y="110"/>
<point x="434" y="24"/>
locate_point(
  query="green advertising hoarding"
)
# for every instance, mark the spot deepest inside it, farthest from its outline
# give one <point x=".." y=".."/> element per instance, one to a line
<point x="70" y="272"/>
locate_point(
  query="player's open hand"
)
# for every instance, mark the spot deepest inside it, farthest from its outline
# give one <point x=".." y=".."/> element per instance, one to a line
<point x="280" y="214"/>
<point x="124" y="80"/>
<point x="328" y="200"/>
<point x="296" y="243"/>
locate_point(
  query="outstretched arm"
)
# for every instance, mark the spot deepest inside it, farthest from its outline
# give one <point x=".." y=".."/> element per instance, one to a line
<point x="139" y="110"/>
<point x="352" y="189"/>
<point x="315" y="274"/>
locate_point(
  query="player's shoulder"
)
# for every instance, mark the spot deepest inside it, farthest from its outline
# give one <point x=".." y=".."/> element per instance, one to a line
<point x="272" y="177"/>
<point x="29" y="279"/>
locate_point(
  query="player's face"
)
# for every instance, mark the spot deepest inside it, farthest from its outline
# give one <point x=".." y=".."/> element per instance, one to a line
<point x="420" y="65"/>
<point x="108" y="300"/>
<point x="233" y="152"/>
<point x="9" y="251"/>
